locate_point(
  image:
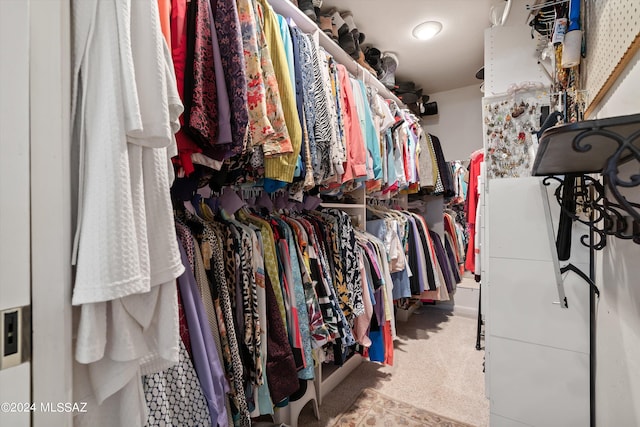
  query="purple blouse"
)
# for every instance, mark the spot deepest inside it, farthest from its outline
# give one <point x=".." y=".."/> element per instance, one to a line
<point x="205" y="356"/>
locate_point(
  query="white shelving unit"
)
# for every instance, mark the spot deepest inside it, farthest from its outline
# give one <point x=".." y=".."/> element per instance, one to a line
<point x="342" y="205"/>
<point x="329" y="376"/>
<point x="537" y="353"/>
<point x="356" y="210"/>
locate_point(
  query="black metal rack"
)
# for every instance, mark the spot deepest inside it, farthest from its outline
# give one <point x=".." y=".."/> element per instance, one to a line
<point x="594" y="146"/>
<point x="567" y="155"/>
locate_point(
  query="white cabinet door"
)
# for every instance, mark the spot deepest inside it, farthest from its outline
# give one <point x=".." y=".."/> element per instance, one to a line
<point x="538" y="385"/>
<point x="539" y="352"/>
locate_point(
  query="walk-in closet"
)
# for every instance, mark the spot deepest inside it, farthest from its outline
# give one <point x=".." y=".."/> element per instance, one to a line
<point x="319" y="213"/>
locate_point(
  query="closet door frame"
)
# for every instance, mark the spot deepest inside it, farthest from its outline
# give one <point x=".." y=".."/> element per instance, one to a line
<point x="51" y="213"/>
<point x="15" y="241"/>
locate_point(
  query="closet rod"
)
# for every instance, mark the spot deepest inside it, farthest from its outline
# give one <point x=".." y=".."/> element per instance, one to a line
<point x="306" y="24"/>
<point x="542" y="5"/>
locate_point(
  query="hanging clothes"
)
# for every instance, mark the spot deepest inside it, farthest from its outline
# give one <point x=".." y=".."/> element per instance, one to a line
<point x="417" y="257"/>
<point x="455" y="238"/>
<point x="355" y="164"/>
<point x="214" y="384"/>
<point x="460" y="179"/>
<point x="179" y="36"/>
<point x="282" y="167"/>
<point x="293" y="115"/>
<point x="471" y="208"/>
<point x="200" y="99"/>
<point x="260" y="128"/>
<point x="327" y="302"/>
<point x="307" y="89"/>
<point x="444" y="185"/>
<point x="304" y="160"/>
<point x="228" y="30"/>
<point x="176" y="396"/>
<point x="125" y="109"/>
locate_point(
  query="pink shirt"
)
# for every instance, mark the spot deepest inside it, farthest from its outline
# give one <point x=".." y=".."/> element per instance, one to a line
<point x="356" y="164"/>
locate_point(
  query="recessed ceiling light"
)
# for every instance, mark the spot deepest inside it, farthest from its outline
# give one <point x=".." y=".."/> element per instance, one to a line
<point x="427" y="30"/>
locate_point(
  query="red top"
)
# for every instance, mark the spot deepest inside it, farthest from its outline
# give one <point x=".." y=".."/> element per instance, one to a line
<point x="179" y="55"/>
<point x="471" y="207"/>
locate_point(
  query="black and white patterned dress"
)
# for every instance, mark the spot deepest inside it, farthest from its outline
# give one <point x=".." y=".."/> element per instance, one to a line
<point x="174" y="397"/>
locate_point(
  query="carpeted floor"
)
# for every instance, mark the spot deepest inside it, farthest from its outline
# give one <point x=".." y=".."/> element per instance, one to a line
<point x="374" y="409"/>
<point x="436" y="369"/>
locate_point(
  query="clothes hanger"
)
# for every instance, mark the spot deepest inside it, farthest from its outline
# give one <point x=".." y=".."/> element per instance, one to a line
<point x="196" y="203"/>
<point x="206" y="212"/>
<point x="264" y="201"/>
<point x="311" y="202"/>
<point x="213" y="203"/>
<point x="189" y="207"/>
<point x="280" y="200"/>
<point x="230" y="202"/>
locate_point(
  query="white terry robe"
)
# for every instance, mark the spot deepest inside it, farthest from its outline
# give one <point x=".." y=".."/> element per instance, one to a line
<point x="126" y="109"/>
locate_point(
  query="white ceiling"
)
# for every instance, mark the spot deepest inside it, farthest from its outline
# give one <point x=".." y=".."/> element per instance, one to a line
<point x="448" y="61"/>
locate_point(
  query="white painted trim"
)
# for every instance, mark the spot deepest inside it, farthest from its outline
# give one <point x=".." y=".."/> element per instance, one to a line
<point x="14" y="194"/>
<point x="50" y="53"/>
<point x="14" y="154"/>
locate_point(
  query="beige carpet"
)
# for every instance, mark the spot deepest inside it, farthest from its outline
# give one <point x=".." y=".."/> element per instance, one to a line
<point x="437" y="368"/>
<point x="374" y="409"/>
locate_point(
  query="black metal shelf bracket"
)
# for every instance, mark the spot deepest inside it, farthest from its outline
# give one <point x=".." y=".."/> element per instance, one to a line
<point x="597" y="212"/>
<point x="626" y="151"/>
<point x="572" y="152"/>
<point x="568" y="155"/>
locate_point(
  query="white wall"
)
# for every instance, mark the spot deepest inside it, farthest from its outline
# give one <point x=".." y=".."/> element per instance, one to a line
<point x="510" y="53"/>
<point x="14" y="190"/>
<point x="14" y="155"/>
<point x="618" y="277"/>
<point x="458" y="123"/>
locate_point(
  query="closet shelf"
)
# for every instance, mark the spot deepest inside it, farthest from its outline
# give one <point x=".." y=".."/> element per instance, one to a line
<point x="343" y="205"/>
<point x="306" y="24"/>
<point x="594" y="146"/>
